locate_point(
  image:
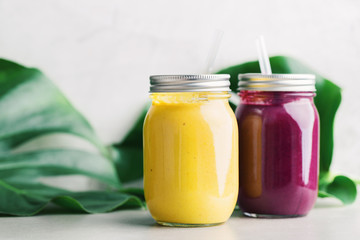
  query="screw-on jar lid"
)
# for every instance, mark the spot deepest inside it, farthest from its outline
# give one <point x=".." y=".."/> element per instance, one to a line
<point x="190" y="83"/>
<point x="277" y="82"/>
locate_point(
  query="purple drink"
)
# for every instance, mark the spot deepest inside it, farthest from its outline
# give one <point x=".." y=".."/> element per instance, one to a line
<point x="278" y="152"/>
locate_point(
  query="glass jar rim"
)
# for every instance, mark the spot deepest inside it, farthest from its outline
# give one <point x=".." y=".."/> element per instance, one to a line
<point x="190" y="83"/>
<point x="277" y="82"/>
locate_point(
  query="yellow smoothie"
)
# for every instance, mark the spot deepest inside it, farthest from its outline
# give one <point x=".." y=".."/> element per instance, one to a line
<point x="190" y="158"/>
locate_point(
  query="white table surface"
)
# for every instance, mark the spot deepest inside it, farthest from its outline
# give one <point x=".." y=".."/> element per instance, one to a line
<point x="324" y="222"/>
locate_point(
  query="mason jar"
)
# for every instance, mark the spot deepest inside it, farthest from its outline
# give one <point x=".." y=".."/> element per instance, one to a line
<point x="278" y="144"/>
<point x="190" y="150"/>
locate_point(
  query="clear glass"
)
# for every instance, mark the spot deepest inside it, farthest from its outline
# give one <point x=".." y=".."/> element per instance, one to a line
<point x="190" y="159"/>
<point x="278" y="153"/>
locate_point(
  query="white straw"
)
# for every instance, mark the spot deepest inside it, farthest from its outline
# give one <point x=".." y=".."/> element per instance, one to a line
<point x="214" y="51"/>
<point x="263" y="56"/>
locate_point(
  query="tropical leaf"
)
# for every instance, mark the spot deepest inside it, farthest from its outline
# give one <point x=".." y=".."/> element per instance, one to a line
<point x="32" y="106"/>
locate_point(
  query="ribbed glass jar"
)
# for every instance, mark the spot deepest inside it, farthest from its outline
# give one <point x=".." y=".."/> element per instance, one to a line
<point x="278" y="145"/>
<point x="191" y="152"/>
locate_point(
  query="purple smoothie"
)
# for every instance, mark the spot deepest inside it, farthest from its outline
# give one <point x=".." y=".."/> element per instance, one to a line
<point x="278" y="153"/>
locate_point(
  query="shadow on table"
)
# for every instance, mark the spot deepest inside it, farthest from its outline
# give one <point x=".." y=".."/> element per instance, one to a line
<point x="328" y="203"/>
<point x="151" y="230"/>
<point x="147" y="220"/>
<point x="143" y="219"/>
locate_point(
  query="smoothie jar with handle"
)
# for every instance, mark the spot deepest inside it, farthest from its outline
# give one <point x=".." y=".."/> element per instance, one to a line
<point x="190" y="150"/>
<point x="278" y="144"/>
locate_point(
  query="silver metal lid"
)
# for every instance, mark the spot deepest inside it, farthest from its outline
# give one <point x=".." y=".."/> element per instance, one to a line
<point x="277" y="82"/>
<point x="190" y="83"/>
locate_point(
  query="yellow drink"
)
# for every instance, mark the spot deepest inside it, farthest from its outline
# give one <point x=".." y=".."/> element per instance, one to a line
<point x="190" y="158"/>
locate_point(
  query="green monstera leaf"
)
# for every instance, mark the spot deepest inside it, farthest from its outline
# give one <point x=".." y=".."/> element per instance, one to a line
<point x="26" y="199"/>
<point x="32" y="106"/>
<point x="327" y="101"/>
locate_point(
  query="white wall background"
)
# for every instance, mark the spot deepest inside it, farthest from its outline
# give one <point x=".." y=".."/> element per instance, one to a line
<point x="101" y="52"/>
